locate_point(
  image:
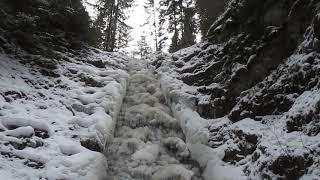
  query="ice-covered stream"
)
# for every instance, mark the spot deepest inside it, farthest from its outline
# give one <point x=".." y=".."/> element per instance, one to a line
<point x="149" y="143"/>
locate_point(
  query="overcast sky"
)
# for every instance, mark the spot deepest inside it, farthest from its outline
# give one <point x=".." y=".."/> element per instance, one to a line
<point x="137" y="17"/>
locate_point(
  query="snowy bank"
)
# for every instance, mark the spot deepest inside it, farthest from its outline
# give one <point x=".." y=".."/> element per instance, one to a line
<point x="182" y="101"/>
<point x="53" y="121"/>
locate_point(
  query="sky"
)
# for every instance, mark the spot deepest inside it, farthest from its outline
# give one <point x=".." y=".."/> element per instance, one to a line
<point x="137" y="17"/>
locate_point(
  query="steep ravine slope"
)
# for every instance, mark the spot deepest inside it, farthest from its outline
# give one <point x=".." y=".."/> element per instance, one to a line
<point x="59" y="98"/>
<point x="256" y="82"/>
<point x="56" y="117"/>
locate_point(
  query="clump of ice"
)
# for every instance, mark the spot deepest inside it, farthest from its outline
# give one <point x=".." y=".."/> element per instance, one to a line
<point x="173" y="171"/>
<point x="26" y="131"/>
<point x="179" y="145"/>
<point x="22" y="122"/>
<point x="148" y="153"/>
<point x="141" y="133"/>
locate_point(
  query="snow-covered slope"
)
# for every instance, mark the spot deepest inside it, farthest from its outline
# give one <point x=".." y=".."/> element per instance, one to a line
<point x="56" y="117"/>
<point x="249" y="94"/>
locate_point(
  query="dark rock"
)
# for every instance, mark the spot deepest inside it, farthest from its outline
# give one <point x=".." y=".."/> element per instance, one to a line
<point x="90" y="81"/>
<point x="77" y="45"/>
<point x="316" y="26"/>
<point x="45" y="63"/>
<point x="292" y="167"/>
<point x="16" y="145"/>
<point x="232" y="156"/>
<point x="250" y="44"/>
<point x="41" y="133"/>
<point x="34" y="164"/>
<point x="13" y="95"/>
<point x="91" y="144"/>
<point x="49" y="73"/>
<point x="246" y="145"/>
<point x="98" y="64"/>
<point x="73" y="71"/>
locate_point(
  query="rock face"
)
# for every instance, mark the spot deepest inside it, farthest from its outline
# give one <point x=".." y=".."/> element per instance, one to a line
<point x="247" y="47"/>
<point x="259" y="68"/>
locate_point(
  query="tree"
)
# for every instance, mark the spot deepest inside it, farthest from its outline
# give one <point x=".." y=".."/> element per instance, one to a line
<point x="150" y="8"/>
<point x="188" y="37"/>
<point x="162" y="31"/>
<point x="50" y="16"/>
<point x="209" y="10"/>
<point x="174" y="46"/>
<point x="180" y="17"/>
<point x="143" y="47"/>
<point x="111" y="23"/>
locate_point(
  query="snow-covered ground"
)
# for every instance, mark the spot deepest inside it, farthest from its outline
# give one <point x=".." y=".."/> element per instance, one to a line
<point x="248" y="149"/>
<point x="196" y="129"/>
<point x="46" y="120"/>
<point x="149" y="142"/>
<point x="61" y="126"/>
<point x="61" y="123"/>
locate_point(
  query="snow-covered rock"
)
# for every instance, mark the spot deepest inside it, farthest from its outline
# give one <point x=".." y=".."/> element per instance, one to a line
<point x="249" y="93"/>
<point x="49" y="124"/>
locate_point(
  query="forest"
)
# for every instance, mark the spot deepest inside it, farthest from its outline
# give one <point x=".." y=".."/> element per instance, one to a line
<point x="108" y="30"/>
<point x="159" y="90"/>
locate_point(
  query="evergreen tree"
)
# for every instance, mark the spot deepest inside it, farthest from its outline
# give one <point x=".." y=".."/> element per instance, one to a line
<point x="143" y="47"/>
<point x="170" y="12"/>
<point x="209" y="10"/>
<point x="188" y="37"/>
<point x="111" y="23"/>
<point x="64" y="20"/>
<point x="180" y="17"/>
<point x="174" y="43"/>
<point x="150" y="8"/>
<point x="162" y="31"/>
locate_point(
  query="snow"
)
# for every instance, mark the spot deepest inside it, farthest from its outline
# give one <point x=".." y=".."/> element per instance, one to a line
<point x="269" y="135"/>
<point x="211" y="161"/>
<point x="195" y="128"/>
<point x="20" y="122"/>
<point x="173" y="172"/>
<point x="43" y="119"/>
<point x="8" y="175"/>
<point x="183" y="107"/>
<point x="145" y="124"/>
<point x="26" y="131"/>
<point x="84" y="165"/>
<point x="149" y="143"/>
<point x="181" y="100"/>
<point x="305" y="103"/>
<point x="141" y="133"/>
<point x="148" y="153"/>
<point x="216" y="171"/>
<point x="179" y="145"/>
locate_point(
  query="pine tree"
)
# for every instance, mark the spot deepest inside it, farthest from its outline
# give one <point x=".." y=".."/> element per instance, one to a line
<point x="111" y="23"/>
<point x="188" y="37"/>
<point x="150" y="8"/>
<point x="52" y="16"/>
<point x="143" y="47"/>
<point x="209" y="10"/>
<point x="174" y="43"/>
<point x="180" y="16"/>
<point x="170" y="12"/>
<point x="162" y="31"/>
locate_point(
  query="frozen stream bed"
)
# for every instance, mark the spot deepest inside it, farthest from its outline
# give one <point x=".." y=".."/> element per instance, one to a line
<point x="148" y="143"/>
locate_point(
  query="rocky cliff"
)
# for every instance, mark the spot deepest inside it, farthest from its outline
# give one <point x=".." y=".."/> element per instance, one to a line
<point x="259" y="70"/>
